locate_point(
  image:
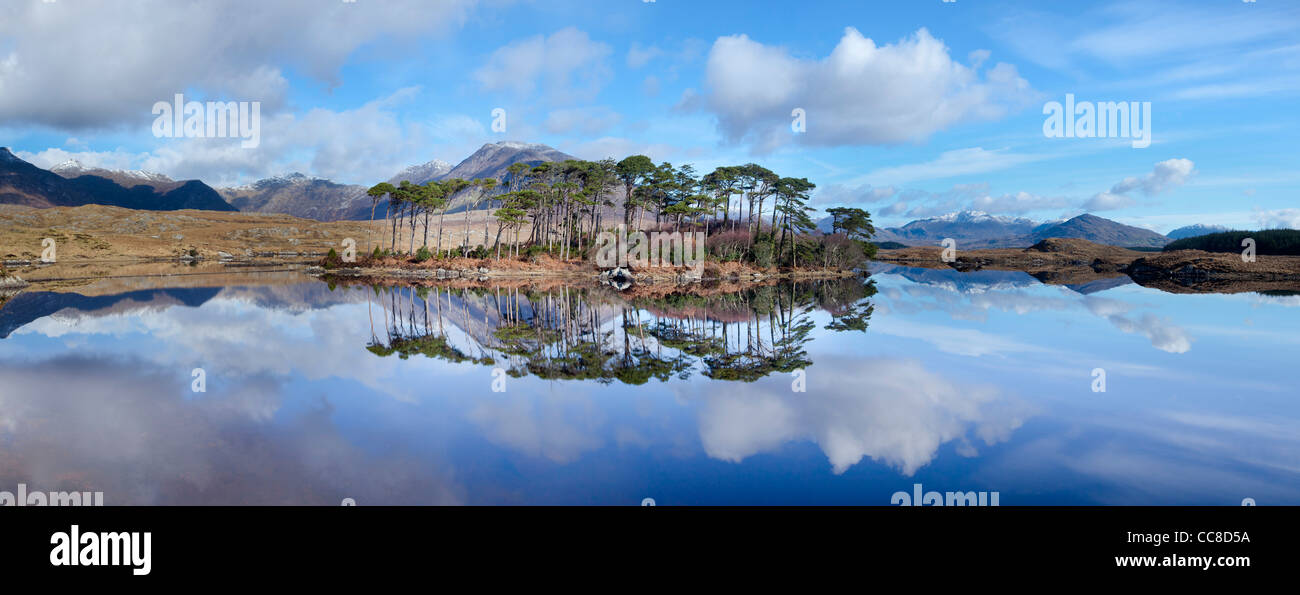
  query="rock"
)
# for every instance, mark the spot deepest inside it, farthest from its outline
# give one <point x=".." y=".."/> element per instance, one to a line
<point x="12" y="282"/>
<point x="224" y="255"/>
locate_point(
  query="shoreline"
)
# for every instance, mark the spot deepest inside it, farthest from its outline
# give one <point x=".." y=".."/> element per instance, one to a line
<point x="1065" y="262"/>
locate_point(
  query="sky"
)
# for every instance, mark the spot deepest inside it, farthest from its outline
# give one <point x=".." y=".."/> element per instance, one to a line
<point x="907" y="109"/>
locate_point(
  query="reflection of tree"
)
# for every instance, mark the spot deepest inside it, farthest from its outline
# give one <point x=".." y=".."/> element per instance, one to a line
<point x="594" y="334"/>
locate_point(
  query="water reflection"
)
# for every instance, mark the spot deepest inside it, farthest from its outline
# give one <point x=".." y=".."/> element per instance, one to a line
<point x="572" y="333"/>
<point x="971" y="381"/>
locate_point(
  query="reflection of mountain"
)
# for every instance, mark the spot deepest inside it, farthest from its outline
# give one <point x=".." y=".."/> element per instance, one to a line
<point x="961" y="282"/>
<point x="32" y="305"/>
<point x="1101" y="285"/>
<point x="982" y="281"/>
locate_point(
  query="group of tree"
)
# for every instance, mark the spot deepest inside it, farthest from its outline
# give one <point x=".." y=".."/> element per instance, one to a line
<point x="1275" y="242"/>
<point x="560" y="207"/>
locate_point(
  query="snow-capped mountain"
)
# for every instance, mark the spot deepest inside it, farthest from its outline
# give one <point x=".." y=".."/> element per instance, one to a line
<point x="1191" y="231"/>
<point x="324" y="200"/>
<point x="972" y="229"/>
<point x="73" y="185"/>
<point x="420" y="174"/>
<point x="975" y="229"/>
<point x="301" y="196"/>
<point x="73" y="168"/>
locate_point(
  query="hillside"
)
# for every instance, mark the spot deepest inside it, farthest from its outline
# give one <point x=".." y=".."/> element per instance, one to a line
<point x="22" y="183"/>
<point x="1101" y="231"/>
<point x="301" y="196"/>
<point x="976" y="230"/>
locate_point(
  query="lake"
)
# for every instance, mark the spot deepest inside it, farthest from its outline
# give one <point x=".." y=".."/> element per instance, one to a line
<point x="273" y="387"/>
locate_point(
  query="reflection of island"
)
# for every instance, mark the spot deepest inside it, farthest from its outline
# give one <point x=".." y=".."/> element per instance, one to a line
<point x="1080" y="263"/>
<point x="596" y="334"/>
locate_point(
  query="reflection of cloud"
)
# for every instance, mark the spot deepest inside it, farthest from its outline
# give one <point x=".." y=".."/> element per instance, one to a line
<point x="227" y="336"/>
<point x="557" y="427"/>
<point x="890" y="410"/>
<point x="1163" y="334"/>
<point x="957" y="341"/>
<point x="136" y="432"/>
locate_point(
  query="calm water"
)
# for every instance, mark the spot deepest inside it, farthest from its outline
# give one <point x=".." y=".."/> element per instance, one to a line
<point x="971" y="382"/>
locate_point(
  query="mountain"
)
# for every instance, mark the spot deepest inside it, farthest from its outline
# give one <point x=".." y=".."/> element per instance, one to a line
<point x="301" y="196"/>
<point x="971" y="229"/>
<point x="1192" y="231"/>
<point x="323" y="200"/>
<point x="25" y="184"/>
<point x="492" y="159"/>
<point x="974" y="229"/>
<point x="127" y="179"/>
<point x="1101" y="231"/>
<point x="421" y="174"/>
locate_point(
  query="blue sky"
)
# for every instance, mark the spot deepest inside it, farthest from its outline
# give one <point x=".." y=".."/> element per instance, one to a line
<point x="912" y="108"/>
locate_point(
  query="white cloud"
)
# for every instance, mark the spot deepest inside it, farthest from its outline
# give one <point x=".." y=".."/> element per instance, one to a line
<point x="861" y="94"/>
<point x="77" y="65"/>
<point x="1167" y="174"/>
<point x="368" y="143"/>
<point x="1106" y="201"/>
<point x="568" y="65"/>
<point x="638" y="56"/>
<point x="1278" y="218"/>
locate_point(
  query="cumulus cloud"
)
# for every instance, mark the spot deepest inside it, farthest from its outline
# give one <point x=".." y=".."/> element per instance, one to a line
<point x="1166" y="175"/>
<point x="566" y="65"/>
<point x="367" y="143"/>
<point x="1278" y="218"/>
<point x="861" y="94"/>
<point x="1106" y="201"/>
<point x="90" y="65"/>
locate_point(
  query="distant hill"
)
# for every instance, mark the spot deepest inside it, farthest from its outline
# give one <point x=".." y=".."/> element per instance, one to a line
<point x="25" y="184"/>
<point x="301" y="196"/>
<point x="1101" y="231"/>
<point x="971" y="229"/>
<point x="975" y="230"/>
<point x="1192" y="231"/>
<point x="324" y="200"/>
<point x="1269" y="241"/>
